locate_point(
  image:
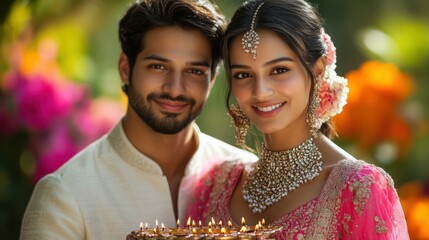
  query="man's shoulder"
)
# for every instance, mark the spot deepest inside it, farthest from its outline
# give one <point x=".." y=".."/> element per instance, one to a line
<point x="83" y="162"/>
<point x="219" y="148"/>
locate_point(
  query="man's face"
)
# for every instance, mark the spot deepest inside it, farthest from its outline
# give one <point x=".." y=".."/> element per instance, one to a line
<point x="171" y="78"/>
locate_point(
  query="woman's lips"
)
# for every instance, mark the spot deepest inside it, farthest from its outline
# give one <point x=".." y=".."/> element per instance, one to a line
<point x="269" y="110"/>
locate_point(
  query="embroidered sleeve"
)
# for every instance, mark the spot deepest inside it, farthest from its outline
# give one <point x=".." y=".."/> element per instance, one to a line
<point x="370" y="207"/>
<point x="200" y="199"/>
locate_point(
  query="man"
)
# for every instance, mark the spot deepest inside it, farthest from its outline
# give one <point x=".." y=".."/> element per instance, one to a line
<point x="143" y="170"/>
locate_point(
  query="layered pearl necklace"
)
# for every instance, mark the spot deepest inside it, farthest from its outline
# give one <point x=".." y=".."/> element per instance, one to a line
<point x="278" y="173"/>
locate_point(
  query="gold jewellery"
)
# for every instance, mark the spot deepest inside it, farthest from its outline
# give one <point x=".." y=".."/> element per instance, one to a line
<point x="250" y="40"/>
<point x="279" y="173"/>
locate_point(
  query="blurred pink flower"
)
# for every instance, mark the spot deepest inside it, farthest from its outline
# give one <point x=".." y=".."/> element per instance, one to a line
<point x="8" y="118"/>
<point x="58" y="117"/>
<point x="88" y="122"/>
<point x="42" y="102"/>
<point x="97" y="117"/>
<point x="53" y="150"/>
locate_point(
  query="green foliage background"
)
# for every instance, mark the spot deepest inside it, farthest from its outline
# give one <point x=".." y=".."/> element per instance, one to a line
<point x="89" y="49"/>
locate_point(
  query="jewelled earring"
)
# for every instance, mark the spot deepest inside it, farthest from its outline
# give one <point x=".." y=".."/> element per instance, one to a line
<point x="241" y="123"/>
<point x="313" y="108"/>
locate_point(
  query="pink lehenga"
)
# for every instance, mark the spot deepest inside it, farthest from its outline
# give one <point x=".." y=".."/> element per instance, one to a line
<point x="358" y="201"/>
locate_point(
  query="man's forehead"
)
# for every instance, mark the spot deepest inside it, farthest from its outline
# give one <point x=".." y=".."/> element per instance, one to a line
<point x="173" y="43"/>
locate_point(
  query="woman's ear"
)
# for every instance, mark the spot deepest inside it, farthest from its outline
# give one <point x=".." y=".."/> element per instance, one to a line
<point x="124" y="69"/>
<point x="319" y="68"/>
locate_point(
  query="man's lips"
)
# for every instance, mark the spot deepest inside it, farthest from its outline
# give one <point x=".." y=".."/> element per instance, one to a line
<point x="171" y="106"/>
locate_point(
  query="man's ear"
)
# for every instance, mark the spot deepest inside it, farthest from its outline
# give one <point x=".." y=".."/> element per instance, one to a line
<point x="124" y="68"/>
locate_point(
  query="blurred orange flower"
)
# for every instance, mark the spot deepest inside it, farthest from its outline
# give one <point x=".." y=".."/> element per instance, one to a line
<point x="416" y="209"/>
<point x="371" y="116"/>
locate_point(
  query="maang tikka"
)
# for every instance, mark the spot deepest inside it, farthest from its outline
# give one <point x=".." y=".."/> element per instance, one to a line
<point x="250" y="40"/>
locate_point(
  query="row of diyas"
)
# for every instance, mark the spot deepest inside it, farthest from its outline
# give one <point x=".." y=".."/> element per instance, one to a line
<point x="213" y="231"/>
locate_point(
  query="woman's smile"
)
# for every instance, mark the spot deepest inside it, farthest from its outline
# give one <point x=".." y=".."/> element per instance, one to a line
<point x="270" y="108"/>
<point x="269" y="111"/>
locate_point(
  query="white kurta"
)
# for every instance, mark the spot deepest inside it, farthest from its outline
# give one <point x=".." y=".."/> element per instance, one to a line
<point x="106" y="190"/>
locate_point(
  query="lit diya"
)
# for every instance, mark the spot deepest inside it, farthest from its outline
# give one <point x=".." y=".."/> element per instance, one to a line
<point x="213" y="231"/>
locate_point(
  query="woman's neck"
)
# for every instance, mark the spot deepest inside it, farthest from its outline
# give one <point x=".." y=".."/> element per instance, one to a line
<point x="286" y="139"/>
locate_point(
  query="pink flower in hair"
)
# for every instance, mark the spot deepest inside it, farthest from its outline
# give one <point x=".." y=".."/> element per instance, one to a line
<point x="330" y="48"/>
<point x="332" y="89"/>
<point x="327" y="97"/>
<point x="333" y="96"/>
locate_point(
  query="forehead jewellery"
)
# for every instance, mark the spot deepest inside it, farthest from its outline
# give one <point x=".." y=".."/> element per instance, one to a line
<point x="250" y="40"/>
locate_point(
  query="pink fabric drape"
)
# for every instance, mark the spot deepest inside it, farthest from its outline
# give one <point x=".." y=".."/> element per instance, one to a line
<point x="358" y="201"/>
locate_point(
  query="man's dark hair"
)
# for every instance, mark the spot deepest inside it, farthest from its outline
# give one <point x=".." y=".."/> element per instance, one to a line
<point x="200" y="15"/>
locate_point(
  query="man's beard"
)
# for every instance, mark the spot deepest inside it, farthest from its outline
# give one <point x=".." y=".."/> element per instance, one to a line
<point x="171" y="123"/>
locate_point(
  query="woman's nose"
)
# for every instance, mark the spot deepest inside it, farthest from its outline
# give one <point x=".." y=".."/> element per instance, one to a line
<point x="262" y="88"/>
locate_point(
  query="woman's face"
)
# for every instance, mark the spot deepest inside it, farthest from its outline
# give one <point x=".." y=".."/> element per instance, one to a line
<point x="273" y="90"/>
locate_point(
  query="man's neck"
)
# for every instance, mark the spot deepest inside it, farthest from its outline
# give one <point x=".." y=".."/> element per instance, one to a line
<point x="171" y="151"/>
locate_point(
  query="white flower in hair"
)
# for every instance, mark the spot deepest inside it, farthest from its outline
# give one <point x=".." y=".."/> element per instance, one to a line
<point x="333" y="89"/>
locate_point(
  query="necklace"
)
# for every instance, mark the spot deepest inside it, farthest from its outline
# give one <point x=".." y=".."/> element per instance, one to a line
<point x="278" y="173"/>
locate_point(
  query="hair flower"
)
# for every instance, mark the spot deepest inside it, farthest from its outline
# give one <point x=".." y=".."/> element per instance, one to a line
<point x="332" y="89"/>
<point x="330" y="55"/>
<point x="333" y="95"/>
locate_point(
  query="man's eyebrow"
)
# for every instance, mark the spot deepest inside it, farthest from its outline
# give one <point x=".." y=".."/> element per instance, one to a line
<point x="202" y="63"/>
<point x="156" y="57"/>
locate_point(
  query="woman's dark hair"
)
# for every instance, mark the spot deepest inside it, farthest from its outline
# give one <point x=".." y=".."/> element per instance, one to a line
<point x="200" y="15"/>
<point x="296" y="22"/>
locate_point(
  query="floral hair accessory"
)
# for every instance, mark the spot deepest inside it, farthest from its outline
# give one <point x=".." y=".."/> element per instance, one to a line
<point x="330" y="94"/>
<point x="330" y="54"/>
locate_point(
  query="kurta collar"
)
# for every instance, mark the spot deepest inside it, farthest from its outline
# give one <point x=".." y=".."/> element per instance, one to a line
<point x="123" y="147"/>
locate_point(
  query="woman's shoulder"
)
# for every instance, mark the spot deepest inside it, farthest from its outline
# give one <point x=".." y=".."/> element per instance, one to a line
<point x="346" y="166"/>
<point x="352" y="183"/>
<point x="358" y="171"/>
<point x="229" y="167"/>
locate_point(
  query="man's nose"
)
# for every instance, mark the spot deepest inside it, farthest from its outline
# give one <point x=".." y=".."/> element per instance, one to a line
<point x="174" y="84"/>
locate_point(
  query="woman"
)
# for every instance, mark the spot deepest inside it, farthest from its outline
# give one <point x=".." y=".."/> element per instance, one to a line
<point x="281" y="71"/>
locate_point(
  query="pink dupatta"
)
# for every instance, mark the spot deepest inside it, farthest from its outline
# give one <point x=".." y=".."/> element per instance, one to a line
<point x="358" y="201"/>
